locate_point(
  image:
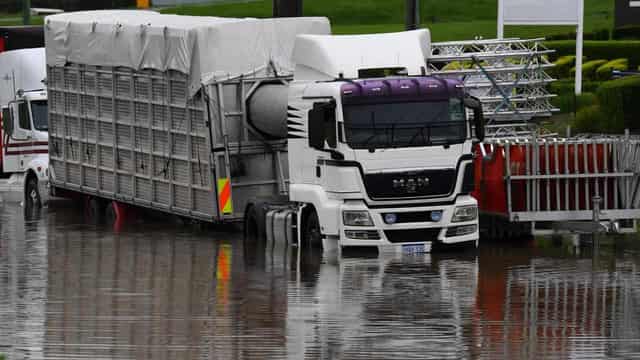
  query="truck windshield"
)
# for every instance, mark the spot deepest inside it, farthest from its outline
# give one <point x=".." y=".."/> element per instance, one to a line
<point x="405" y="124"/>
<point x="40" y="116"/>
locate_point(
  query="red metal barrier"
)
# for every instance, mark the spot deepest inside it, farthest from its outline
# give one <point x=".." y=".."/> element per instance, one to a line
<point x="553" y="194"/>
<point x="490" y="187"/>
<point x="1" y="142"/>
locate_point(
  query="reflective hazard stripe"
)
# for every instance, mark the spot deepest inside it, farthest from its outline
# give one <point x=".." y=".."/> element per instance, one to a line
<point x="223" y="269"/>
<point x="224" y="196"/>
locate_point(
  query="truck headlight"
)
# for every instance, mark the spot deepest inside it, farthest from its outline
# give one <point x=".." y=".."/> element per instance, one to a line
<point x="357" y="218"/>
<point x="465" y="213"/>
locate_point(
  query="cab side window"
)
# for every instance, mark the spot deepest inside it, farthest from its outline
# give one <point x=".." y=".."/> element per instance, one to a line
<point x="24" y="122"/>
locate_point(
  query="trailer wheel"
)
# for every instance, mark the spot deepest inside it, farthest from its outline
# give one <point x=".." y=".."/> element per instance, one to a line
<point x="32" y="195"/>
<point x="251" y="228"/>
<point x="95" y="209"/>
<point x="110" y="215"/>
<point x="311" y="235"/>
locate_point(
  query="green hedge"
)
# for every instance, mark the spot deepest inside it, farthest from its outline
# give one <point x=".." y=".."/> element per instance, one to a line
<point x="591" y="119"/>
<point x="589" y="69"/>
<point x="602" y="34"/>
<point x="605" y="71"/>
<point x="628" y="49"/>
<point x="619" y="99"/>
<point x="631" y="32"/>
<point x="569" y="103"/>
<point x="457" y="65"/>
<point x="563" y="66"/>
<point x="567" y="86"/>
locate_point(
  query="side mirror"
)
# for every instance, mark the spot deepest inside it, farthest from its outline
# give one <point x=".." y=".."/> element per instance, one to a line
<point x="316" y="128"/>
<point x="330" y="130"/>
<point x="7" y="121"/>
<point x="322" y="125"/>
<point x="475" y="104"/>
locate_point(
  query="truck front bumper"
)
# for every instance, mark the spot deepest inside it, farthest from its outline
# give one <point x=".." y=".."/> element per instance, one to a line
<point x="415" y="226"/>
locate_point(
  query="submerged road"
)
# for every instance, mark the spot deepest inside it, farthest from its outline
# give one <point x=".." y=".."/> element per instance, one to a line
<point x="70" y="289"/>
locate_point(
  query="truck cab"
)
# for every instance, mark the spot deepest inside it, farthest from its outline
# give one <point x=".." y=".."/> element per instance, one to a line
<point x="24" y="132"/>
<point x="379" y="152"/>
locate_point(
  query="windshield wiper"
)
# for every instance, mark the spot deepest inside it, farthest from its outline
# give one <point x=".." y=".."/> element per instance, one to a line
<point x="425" y="140"/>
<point x="369" y="139"/>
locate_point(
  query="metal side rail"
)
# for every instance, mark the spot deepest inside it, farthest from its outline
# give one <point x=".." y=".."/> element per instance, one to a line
<point x="561" y="177"/>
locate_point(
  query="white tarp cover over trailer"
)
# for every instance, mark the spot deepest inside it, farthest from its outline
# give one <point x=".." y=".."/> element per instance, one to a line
<point x="318" y="56"/>
<point x="25" y="68"/>
<point x="205" y="48"/>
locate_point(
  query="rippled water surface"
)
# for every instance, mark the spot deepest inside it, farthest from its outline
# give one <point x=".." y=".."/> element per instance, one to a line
<point x="70" y="289"/>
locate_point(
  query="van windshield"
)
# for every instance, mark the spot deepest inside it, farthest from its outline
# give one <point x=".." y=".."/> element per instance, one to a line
<point x="40" y="115"/>
<point x="405" y="124"/>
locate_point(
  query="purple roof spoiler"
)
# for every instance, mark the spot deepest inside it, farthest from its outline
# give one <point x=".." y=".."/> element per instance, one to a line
<point x="401" y="89"/>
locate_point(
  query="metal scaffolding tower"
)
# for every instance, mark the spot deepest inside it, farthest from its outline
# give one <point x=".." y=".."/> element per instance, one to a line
<point x="509" y="76"/>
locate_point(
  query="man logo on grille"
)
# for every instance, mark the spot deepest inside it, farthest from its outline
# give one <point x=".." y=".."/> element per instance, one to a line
<point x="411" y="185"/>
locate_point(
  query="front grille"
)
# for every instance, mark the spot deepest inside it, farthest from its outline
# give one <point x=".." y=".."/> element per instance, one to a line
<point x="411" y="217"/>
<point x="412" y="235"/>
<point x="413" y="184"/>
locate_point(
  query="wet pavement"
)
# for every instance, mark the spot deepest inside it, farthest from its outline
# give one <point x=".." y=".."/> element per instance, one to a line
<point x="70" y="289"/>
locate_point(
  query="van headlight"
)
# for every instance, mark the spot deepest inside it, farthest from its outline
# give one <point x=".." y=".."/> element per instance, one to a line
<point x="357" y="218"/>
<point x="465" y="213"/>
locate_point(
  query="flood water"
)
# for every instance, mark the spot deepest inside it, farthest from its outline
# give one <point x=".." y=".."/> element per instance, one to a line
<point x="70" y="289"/>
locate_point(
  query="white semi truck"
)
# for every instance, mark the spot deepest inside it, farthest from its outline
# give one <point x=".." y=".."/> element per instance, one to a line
<point x="318" y="138"/>
<point x="23" y="133"/>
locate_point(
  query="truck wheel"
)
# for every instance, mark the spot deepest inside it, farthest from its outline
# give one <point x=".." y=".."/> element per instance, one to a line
<point x="32" y="195"/>
<point x="311" y="234"/>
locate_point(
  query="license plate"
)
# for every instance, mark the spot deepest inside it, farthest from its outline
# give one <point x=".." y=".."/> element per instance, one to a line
<point x="413" y="249"/>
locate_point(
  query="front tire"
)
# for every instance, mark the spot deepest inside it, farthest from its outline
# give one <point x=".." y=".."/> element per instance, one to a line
<point x="32" y="194"/>
<point x="311" y="234"/>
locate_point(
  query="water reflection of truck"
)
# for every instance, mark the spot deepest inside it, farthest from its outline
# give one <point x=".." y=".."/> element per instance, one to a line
<point x="224" y="120"/>
<point x="388" y="307"/>
<point x="150" y="295"/>
<point x="23" y="100"/>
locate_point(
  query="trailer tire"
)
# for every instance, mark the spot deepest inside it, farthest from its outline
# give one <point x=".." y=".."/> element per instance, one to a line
<point x="95" y="209"/>
<point x="32" y="194"/>
<point x="110" y="215"/>
<point x="311" y="233"/>
<point x="251" y="225"/>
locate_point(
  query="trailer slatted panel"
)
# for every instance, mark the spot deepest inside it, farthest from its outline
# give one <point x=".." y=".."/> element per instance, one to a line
<point x="131" y="136"/>
<point x="137" y="137"/>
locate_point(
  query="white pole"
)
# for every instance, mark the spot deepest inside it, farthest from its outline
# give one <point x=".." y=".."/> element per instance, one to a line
<point x="500" y="19"/>
<point x="579" y="46"/>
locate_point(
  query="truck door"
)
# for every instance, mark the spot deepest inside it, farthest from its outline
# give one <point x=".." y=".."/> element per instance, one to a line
<point x="18" y="141"/>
